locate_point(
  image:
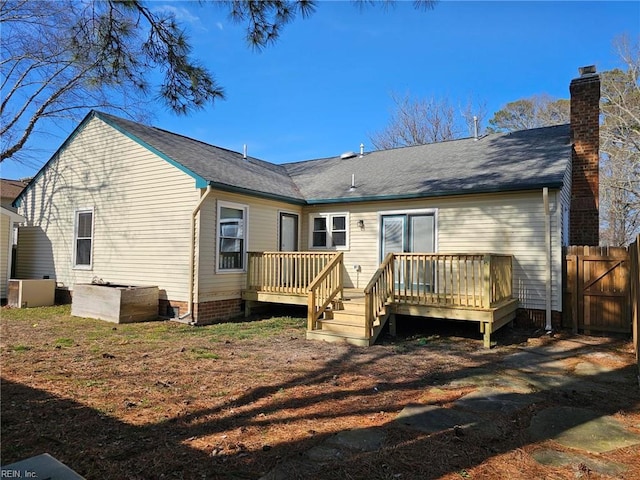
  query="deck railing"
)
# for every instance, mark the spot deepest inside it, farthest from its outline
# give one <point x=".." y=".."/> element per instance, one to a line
<point x="326" y="287"/>
<point x="285" y="272"/>
<point x="453" y="280"/>
<point x="478" y="281"/>
<point x="501" y="277"/>
<point x="379" y="291"/>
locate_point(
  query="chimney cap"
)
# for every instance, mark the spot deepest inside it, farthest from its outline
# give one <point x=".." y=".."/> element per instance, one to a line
<point x="587" y="70"/>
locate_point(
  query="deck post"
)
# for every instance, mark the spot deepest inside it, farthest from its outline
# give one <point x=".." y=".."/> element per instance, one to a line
<point x="485" y="328"/>
<point x="392" y="324"/>
<point x="368" y="311"/>
<point x="311" y="311"/>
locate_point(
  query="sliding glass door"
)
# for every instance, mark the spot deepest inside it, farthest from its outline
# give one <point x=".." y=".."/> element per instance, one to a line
<point x="409" y="233"/>
<point x="402" y="233"/>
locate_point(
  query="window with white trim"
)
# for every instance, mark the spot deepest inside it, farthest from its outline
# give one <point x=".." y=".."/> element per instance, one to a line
<point x="232" y="219"/>
<point x="330" y="230"/>
<point x="83" y="239"/>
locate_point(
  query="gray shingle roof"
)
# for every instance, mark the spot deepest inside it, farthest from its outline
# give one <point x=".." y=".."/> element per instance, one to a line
<point x="499" y="162"/>
<point x="214" y="164"/>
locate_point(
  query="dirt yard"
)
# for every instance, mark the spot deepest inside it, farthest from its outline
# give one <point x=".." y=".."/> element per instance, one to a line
<point x="233" y="401"/>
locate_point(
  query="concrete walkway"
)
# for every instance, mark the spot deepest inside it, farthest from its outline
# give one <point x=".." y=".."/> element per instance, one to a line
<point x="525" y="379"/>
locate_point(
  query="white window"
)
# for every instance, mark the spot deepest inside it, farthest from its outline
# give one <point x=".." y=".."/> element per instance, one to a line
<point x="232" y="239"/>
<point x="330" y="230"/>
<point x="83" y="239"/>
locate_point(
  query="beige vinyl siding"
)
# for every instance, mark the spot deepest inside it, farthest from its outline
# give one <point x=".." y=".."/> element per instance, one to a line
<point x="262" y="235"/>
<point x="510" y="223"/>
<point x="5" y="233"/>
<point x="141" y="212"/>
<point x="565" y="202"/>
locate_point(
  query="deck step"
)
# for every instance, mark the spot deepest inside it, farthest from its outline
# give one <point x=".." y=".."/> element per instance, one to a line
<point x="344" y="325"/>
<point x="336" y="337"/>
<point x="349" y="315"/>
<point x="350" y="305"/>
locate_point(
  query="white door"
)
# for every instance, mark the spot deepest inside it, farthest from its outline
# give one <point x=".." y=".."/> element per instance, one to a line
<point x="288" y="232"/>
<point x="288" y="243"/>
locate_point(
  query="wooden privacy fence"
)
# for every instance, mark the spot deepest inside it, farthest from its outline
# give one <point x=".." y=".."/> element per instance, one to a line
<point x="597" y="289"/>
<point x="634" y="260"/>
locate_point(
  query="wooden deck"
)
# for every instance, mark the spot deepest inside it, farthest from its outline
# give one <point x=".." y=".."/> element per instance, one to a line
<point x="463" y="287"/>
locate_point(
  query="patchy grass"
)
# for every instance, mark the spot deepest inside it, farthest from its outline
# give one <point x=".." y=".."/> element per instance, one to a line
<point x="235" y="400"/>
<point x="20" y="348"/>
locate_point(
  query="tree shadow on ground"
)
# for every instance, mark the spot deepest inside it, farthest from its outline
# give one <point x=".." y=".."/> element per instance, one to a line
<point x="34" y="421"/>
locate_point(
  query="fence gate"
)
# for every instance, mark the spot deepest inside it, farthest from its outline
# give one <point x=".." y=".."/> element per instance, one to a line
<point x="597" y="289"/>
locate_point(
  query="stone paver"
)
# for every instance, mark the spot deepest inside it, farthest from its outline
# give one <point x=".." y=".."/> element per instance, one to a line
<point x="554" y="458"/>
<point x="517" y="382"/>
<point x="582" y="429"/>
<point x="527" y="361"/>
<point x="604" y="373"/>
<point x="363" y="439"/>
<point x="432" y="418"/>
<point x="494" y="400"/>
<point x="488" y="378"/>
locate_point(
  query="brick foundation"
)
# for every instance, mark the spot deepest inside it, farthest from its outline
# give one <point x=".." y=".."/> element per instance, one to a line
<point x="205" y="313"/>
<point x="172" y="308"/>
<point x="534" y="318"/>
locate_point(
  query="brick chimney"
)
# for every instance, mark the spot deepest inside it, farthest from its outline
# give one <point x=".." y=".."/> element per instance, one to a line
<point x="585" y="135"/>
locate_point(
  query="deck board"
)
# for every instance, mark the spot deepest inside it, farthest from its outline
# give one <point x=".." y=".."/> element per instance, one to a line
<point x="275" y="297"/>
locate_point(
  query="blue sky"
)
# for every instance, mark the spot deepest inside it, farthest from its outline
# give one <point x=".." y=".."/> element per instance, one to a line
<point x="325" y="86"/>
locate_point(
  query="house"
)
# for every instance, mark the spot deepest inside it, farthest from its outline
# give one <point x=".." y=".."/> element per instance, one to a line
<point x="9" y="218"/>
<point x="458" y="229"/>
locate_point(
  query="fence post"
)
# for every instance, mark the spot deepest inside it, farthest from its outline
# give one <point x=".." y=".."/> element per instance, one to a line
<point x="573" y="289"/>
<point x="634" y="268"/>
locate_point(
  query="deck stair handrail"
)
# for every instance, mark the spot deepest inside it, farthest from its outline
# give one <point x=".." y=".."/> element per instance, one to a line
<point x="324" y="289"/>
<point x="285" y="272"/>
<point x="379" y="291"/>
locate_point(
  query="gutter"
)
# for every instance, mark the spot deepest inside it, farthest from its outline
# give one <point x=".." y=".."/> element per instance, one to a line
<point x="547" y="238"/>
<point x="192" y="262"/>
<point x="435" y="194"/>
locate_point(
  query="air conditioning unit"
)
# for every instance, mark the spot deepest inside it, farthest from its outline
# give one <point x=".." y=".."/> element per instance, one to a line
<point x="31" y="293"/>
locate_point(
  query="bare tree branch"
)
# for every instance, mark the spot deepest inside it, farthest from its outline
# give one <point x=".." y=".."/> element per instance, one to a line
<point x="620" y="147"/>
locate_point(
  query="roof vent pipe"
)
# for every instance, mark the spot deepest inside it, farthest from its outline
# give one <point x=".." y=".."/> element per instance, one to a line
<point x="353" y="183"/>
<point x="361" y="150"/>
<point x="244" y="151"/>
<point x="475" y="127"/>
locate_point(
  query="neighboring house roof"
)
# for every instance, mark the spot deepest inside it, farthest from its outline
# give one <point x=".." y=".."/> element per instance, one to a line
<point x="9" y="191"/>
<point x="12" y="215"/>
<point x="524" y="160"/>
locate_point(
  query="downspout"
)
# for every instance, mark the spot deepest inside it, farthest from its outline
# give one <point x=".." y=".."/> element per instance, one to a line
<point x="547" y="240"/>
<point x="192" y="261"/>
